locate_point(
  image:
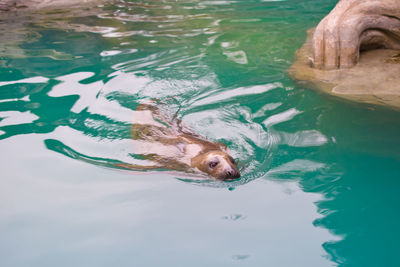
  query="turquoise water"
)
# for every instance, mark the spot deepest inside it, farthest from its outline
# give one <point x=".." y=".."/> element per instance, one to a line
<point x="320" y="176"/>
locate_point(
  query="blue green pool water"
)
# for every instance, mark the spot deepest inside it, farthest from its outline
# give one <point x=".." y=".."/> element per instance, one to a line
<point x="320" y="181"/>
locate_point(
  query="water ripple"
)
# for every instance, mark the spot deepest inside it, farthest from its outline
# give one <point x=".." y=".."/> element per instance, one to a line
<point x="281" y="117"/>
<point x="217" y="97"/>
<point x="205" y="70"/>
<point x="38" y="79"/>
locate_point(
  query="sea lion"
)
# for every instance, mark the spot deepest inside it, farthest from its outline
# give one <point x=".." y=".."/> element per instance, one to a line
<point x="171" y="145"/>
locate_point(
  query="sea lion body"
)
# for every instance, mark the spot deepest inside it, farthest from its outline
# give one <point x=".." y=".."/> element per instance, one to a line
<point x="170" y="145"/>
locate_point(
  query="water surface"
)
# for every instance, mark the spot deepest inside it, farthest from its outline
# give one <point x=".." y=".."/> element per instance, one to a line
<point x="319" y="185"/>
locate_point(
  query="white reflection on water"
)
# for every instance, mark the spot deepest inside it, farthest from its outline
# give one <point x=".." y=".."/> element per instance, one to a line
<point x="38" y="79"/>
<point x="281" y="117"/>
<point x="94" y="147"/>
<point x="218" y="2"/>
<point x="126" y="83"/>
<point x="109" y="53"/>
<point x="16" y="117"/>
<point x="92" y="96"/>
<point x="267" y="107"/>
<point x="111" y="109"/>
<point x="71" y="85"/>
<point x="297" y="166"/>
<point x="303" y="138"/>
<point x="213" y="97"/>
<point x="238" y="57"/>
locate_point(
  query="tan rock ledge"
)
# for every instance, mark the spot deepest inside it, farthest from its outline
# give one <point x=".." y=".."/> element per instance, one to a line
<point x="374" y="80"/>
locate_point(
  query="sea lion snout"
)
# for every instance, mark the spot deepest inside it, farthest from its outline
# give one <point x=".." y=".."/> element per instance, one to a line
<point x="231" y="174"/>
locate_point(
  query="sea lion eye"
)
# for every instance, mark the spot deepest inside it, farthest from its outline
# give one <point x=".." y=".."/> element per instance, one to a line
<point x="232" y="160"/>
<point x="213" y="164"/>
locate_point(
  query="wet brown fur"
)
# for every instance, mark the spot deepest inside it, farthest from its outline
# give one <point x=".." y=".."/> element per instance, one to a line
<point x="195" y="152"/>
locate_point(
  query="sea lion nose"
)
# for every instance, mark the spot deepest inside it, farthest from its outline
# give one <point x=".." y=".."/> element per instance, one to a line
<point x="231" y="173"/>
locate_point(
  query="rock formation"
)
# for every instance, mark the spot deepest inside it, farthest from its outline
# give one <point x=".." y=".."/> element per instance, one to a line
<point x="354" y="53"/>
<point x="355" y="25"/>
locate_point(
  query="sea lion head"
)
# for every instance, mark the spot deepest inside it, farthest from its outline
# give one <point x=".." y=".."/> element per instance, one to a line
<point x="217" y="164"/>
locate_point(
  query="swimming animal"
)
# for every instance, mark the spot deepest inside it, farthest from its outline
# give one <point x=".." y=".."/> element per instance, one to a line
<point x="169" y="144"/>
